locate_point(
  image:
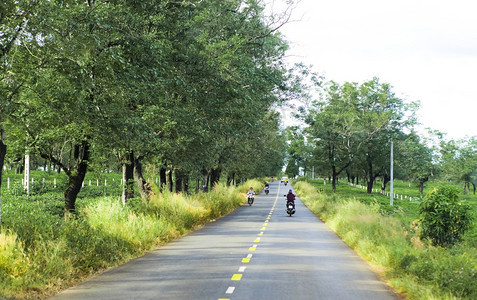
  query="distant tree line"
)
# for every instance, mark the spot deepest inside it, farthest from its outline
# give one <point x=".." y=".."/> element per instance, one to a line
<point x="348" y="134"/>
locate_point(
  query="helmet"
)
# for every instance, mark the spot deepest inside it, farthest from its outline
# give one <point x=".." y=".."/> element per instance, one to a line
<point x="290" y="191"/>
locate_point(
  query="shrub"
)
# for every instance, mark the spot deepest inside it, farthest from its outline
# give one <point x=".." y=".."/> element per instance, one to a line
<point x="444" y="218"/>
<point x="13" y="261"/>
<point x="222" y="200"/>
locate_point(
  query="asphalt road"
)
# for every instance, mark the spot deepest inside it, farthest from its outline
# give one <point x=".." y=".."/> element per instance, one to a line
<point x="256" y="252"/>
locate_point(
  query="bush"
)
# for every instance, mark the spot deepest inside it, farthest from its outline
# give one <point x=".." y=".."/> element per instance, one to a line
<point x="13" y="261"/>
<point x="444" y="219"/>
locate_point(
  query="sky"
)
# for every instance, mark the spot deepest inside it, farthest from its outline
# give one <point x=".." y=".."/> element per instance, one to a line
<point x="427" y="50"/>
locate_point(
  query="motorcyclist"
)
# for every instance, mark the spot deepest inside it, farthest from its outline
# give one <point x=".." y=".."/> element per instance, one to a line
<point x="291" y="198"/>
<point x="251" y="192"/>
<point x="266" y="188"/>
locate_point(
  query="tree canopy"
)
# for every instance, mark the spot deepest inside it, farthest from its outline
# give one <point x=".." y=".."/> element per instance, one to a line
<point x="189" y="86"/>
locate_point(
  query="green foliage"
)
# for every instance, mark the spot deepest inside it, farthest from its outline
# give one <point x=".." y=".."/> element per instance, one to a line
<point x="444" y="218"/>
<point x="13" y="260"/>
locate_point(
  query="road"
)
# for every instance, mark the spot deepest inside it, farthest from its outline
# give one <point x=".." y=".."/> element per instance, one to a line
<point x="256" y="252"/>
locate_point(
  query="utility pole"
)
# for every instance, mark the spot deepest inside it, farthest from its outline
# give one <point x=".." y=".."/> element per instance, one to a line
<point x="392" y="176"/>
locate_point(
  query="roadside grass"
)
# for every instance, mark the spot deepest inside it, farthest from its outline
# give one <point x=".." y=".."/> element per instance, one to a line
<point x="387" y="238"/>
<point x="43" y="251"/>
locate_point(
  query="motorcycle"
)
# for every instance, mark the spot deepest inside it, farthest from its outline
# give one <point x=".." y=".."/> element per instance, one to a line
<point x="267" y="189"/>
<point x="250" y="199"/>
<point x="290" y="208"/>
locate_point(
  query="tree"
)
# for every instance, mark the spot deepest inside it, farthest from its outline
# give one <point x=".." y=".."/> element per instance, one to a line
<point x="89" y="80"/>
<point x="333" y="127"/>
<point x="298" y="152"/>
<point x="443" y="217"/>
<point x="15" y="18"/>
<point x="415" y="159"/>
<point x="354" y="124"/>
<point x="382" y="116"/>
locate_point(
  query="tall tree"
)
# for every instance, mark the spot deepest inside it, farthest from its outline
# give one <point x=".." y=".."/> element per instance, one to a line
<point x="90" y="74"/>
<point x="415" y="159"/>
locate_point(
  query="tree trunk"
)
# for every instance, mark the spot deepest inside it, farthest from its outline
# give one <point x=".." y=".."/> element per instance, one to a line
<point x="3" y="152"/>
<point x="186" y="184"/>
<point x="162" y="178"/>
<point x="143" y="186"/>
<point x="128" y="178"/>
<point x="197" y="185"/>
<point x="169" y="183"/>
<point x="386" y="179"/>
<point x="76" y="177"/>
<point x="334" y="175"/>
<point x="421" y="184"/>
<point x="214" y="177"/>
<point x="205" y="181"/>
<point x="473" y="184"/>
<point x="371" y="177"/>
<point x="179" y="180"/>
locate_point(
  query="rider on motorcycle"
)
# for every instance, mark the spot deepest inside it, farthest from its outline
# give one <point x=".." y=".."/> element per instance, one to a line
<point x="291" y="198"/>
<point x="251" y="192"/>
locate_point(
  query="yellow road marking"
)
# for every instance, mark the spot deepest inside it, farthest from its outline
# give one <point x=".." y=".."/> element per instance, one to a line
<point x="263" y="228"/>
<point x="245" y="260"/>
<point x="260" y="234"/>
<point x="252" y="248"/>
<point x="237" y="277"/>
<point x="257" y="240"/>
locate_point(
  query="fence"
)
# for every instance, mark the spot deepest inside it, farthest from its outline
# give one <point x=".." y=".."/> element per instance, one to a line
<point x="90" y="182"/>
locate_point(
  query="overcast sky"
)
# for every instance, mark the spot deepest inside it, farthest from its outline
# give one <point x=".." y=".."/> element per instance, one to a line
<point x="427" y="50"/>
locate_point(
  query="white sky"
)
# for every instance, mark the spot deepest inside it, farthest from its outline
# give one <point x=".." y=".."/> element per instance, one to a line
<point x="427" y="50"/>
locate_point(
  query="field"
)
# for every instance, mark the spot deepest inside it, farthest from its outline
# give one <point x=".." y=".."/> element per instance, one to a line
<point x="387" y="237"/>
<point x="407" y="210"/>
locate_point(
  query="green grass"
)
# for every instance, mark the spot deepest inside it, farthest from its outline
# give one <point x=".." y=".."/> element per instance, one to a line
<point x="42" y="250"/>
<point x="387" y="237"/>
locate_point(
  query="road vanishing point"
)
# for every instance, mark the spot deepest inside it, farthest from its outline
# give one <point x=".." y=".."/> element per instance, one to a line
<point x="256" y="252"/>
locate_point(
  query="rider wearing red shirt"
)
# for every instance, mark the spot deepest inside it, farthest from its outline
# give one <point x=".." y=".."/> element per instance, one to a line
<point x="291" y="198"/>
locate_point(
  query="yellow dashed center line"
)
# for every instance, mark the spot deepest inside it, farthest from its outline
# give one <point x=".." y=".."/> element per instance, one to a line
<point x="238" y="277"/>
